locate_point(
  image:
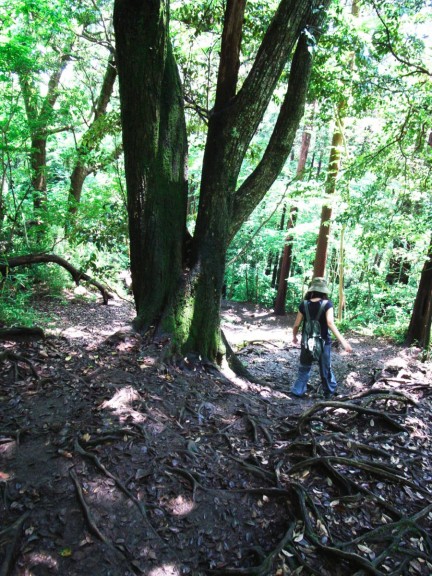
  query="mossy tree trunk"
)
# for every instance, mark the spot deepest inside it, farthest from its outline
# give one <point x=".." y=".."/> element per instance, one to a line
<point x="155" y="147"/>
<point x="186" y="293"/>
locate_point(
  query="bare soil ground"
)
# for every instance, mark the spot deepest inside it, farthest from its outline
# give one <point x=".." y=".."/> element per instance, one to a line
<point x="115" y="463"/>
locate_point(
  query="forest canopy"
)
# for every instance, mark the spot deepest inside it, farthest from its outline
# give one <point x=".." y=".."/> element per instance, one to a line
<point x="292" y="139"/>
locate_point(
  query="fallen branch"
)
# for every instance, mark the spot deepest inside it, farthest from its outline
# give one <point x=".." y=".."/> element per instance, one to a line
<point x="77" y="275"/>
<point x="21" y="333"/>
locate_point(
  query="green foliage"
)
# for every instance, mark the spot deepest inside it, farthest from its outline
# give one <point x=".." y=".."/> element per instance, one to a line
<point x="378" y="62"/>
<point x="21" y="286"/>
<point x="379" y="308"/>
<point x="16" y="309"/>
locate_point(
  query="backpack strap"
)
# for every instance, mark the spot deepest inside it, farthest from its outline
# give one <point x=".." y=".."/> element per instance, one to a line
<point x="307" y="313"/>
<point x="320" y="311"/>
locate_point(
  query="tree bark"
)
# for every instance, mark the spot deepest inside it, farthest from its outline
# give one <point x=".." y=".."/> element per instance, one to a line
<point x="279" y="307"/>
<point x="419" y="330"/>
<point x="330" y="188"/>
<point x="155" y="147"/>
<point x="190" y="309"/>
<point x="91" y="139"/>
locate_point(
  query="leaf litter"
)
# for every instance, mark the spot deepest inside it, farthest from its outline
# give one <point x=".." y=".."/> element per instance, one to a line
<point x="116" y="463"/>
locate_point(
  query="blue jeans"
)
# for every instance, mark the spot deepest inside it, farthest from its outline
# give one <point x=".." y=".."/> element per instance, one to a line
<point x="328" y="379"/>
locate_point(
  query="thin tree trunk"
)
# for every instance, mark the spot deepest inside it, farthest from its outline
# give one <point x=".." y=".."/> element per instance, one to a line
<point x="279" y="307"/>
<point x="332" y="174"/>
<point x="330" y="188"/>
<point x="38" y="168"/>
<point x="419" y="330"/>
<point x="91" y="139"/>
<point x="341" y="274"/>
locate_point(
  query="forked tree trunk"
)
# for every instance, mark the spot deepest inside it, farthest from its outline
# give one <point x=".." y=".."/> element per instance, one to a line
<point x="39" y="117"/>
<point x="188" y="300"/>
<point x="419" y="330"/>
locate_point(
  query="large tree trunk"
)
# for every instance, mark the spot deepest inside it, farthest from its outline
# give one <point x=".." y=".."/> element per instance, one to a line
<point x="156" y="192"/>
<point x="419" y="330"/>
<point x="155" y="147"/>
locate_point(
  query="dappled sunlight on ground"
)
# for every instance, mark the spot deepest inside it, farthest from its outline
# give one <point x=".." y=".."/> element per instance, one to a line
<point x="165" y="570"/>
<point x="121" y="405"/>
<point x="118" y="463"/>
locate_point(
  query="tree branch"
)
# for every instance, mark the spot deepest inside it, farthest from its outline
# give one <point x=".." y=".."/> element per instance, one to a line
<point x="77" y="275"/>
<point x="256" y="185"/>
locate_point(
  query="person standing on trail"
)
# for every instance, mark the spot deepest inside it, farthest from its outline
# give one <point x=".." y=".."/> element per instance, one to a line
<point x="319" y="308"/>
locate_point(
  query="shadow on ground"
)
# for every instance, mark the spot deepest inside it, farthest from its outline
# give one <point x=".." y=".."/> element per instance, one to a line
<point x="113" y="463"/>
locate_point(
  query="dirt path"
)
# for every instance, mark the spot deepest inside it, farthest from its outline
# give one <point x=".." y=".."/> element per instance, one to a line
<point x="113" y="463"/>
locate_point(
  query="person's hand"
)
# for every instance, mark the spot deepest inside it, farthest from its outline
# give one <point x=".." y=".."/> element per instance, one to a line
<point x="348" y="347"/>
<point x="295" y="339"/>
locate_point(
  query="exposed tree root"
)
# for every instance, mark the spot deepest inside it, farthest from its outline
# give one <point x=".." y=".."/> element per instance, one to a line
<point x="15" y="358"/>
<point x="87" y="512"/>
<point x="310" y="533"/>
<point x="381" y="470"/>
<point x="11" y="544"/>
<point x="307" y="416"/>
<point x="236" y="365"/>
<point x="123" y="488"/>
<point x="266" y="565"/>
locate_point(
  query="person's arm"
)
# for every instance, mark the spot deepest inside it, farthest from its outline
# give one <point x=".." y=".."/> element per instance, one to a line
<point x="332" y="326"/>
<point x="298" y="321"/>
